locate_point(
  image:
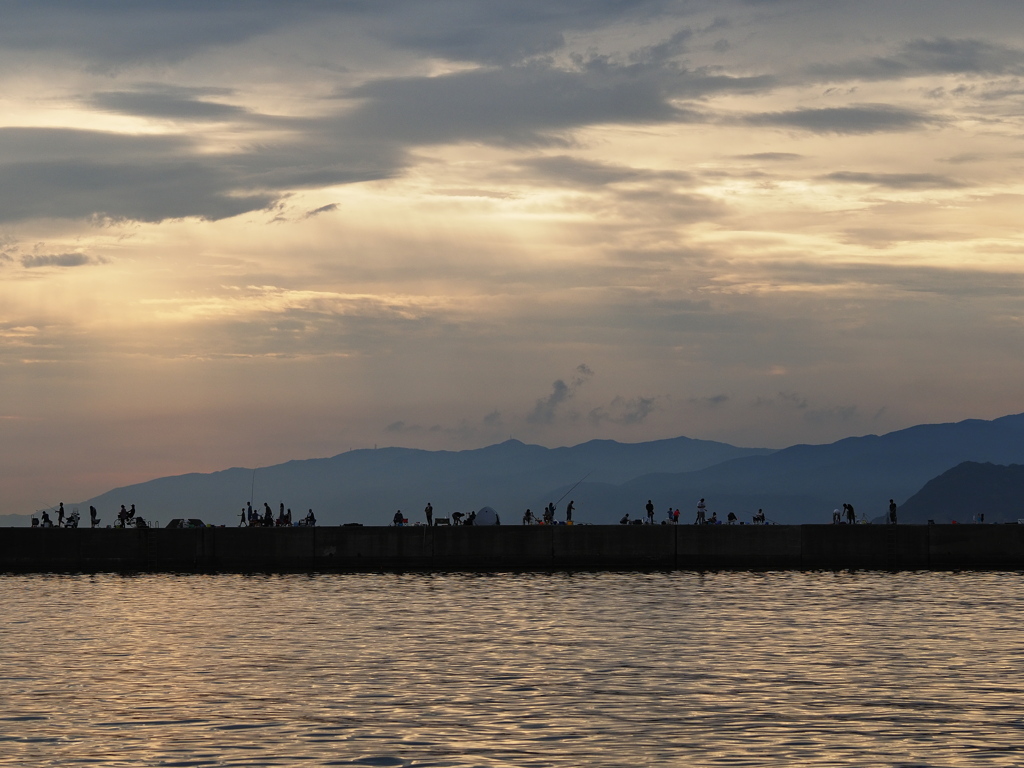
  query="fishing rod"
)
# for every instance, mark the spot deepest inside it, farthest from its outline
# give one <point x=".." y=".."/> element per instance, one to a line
<point x="252" y="486"/>
<point x="571" y="489"/>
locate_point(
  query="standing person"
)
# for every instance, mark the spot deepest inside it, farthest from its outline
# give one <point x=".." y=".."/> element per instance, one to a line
<point x="675" y="516"/>
<point x="60" y="516"/>
<point x="93" y="519"/>
<point x="701" y="512"/>
<point x="528" y="518"/>
<point x="851" y="516"/>
<point x="568" y="511"/>
<point x="650" y="512"/>
<point x="892" y="512"/>
<point x="241" y="523"/>
<point x="429" y="512"/>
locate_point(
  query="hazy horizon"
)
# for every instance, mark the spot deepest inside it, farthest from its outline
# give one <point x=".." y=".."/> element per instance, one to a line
<point x="237" y="234"/>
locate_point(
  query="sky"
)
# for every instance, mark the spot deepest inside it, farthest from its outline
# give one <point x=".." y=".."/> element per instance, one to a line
<point x="238" y="233"/>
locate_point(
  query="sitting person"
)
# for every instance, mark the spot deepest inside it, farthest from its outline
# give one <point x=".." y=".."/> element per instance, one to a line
<point x="731" y="518"/>
<point x="310" y="518"/>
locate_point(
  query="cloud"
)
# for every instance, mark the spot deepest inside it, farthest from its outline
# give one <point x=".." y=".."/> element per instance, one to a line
<point x="330" y="207"/>
<point x="546" y="409"/>
<point x="935" y="56"/>
<point x="110" y="33"/>
<point x="771" y="157"/>
<point x="530" y="104"/>
<point x="503" y="33"/>
<point x="56" y="260"/>
<point x="896" y="180"/>
<point x="587" y="173"/>
<point x="623" y="411"/>
<point x="712" y="401"/>
<point x="78" y="174"/>
<point x="169" y="103"/>
<point x="859" y="119"/>
<point x="784" y="399"/>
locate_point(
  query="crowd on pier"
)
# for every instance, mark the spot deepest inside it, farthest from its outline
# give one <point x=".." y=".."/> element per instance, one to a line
<point x="126" y="518"/>
<point x="251" y="518"/>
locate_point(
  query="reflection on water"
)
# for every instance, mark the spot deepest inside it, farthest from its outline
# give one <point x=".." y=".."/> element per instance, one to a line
<point x="609" y="669"/>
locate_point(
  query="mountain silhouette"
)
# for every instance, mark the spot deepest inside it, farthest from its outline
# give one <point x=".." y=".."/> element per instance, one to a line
<point x="967" y="490"/>
<point x="799" y="484"/>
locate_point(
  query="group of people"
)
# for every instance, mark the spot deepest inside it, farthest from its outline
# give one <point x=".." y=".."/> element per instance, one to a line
<point x="849" y="516"/>
<point x="457" y="518"/>
<point x="548" y="516"/>
<point x="672" y="516"/>
<point x="126" y="518"/>
<point x="252" y="518"/>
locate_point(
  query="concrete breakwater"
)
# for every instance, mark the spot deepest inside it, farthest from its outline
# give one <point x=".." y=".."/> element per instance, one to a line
<point x="513" y="548"/>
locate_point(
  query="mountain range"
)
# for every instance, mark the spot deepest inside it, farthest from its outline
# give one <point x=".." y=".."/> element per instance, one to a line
<point x="967" y="490"/>
<point x="606" y="479"/>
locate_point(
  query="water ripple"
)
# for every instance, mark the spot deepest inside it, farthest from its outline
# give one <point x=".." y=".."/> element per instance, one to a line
<point x="531" y="670"/>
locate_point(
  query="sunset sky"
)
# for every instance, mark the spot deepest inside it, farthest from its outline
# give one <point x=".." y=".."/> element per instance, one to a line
<point x="236" y="233"/>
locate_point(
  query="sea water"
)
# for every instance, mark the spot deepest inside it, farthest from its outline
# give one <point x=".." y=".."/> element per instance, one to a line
<point x="586" y="669"/>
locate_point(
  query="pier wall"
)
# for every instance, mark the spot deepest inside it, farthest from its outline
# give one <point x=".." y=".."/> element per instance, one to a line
<point x="608" y="547"/>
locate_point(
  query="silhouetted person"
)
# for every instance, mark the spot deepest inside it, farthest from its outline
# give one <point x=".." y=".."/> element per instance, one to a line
<point x="701" y="512"/>
<point x="457" y="517"/>
<point x="310" y="518"/>
<point x="675" y="517"/>
<point x="93" y="519"/>
<point x="568" y="511"/>
<point x="131" y="513"/>
<point x="288" y="517"/>
<point x="892" y="512"/>
<point x="851" y="516"/>
<point x="472" y="518"/>
<point x="759" y="517"/>
<point x="650" y="512"/>
<point x="242" y="521"/>
<point x="625" y="519"/>
<point x="47" y="522"/>
<point x="731" y="518"/>
<point x="528" y="518"/>
<point x="60" y="515"/>
<point x="429" y="512"/>
<point x="268" y="516"/>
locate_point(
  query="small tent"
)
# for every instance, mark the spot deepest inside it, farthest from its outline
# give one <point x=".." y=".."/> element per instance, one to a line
<point x="487" y="516"/>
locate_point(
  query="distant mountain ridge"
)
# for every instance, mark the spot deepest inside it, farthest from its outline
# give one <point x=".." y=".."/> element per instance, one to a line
<point x="799" y="484"/>
<point x="804" y="483"/>
<point x="367" y="486"/>
<point x="967" y="490"/>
